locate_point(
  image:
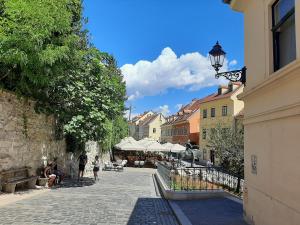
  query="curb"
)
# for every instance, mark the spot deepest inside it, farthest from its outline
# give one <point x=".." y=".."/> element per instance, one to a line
<point x="179" y="214"/>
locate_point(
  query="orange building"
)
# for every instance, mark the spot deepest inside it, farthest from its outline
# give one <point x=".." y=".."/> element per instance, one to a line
<point x="186" y="125"/>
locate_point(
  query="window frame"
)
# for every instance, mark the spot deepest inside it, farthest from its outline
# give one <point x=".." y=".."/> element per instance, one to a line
<point x="204" y="113"/>
<point x="204" y="134"/>
<point x="224" y="112"/>
<point x="275" y="36"/>
<point x="213" y="115"/>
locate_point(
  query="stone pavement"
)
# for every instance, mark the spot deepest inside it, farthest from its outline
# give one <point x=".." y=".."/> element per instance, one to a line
<point x="127" y="197"/>
<point x="214" y="211"/>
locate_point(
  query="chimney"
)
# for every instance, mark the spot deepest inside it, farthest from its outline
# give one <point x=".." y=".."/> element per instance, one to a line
<point x="187" y="111"/>
<point x="222" y="90"/>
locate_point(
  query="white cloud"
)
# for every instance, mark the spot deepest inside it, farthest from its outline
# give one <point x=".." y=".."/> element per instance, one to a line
<point x="178" y="106"/>
<point x="233" y="62"/>
<point x="191" y="71"/>
<point x="164" y="109"/>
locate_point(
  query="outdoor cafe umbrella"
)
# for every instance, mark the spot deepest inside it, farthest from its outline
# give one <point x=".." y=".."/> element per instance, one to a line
<point x="130" y="147"/>
<point x="176" y="148"/>
<point x="168" y="146"/>
<point x="126" y="140"/>
<point x="146" y="142"/>
<point x="156" y="147"/>
<point x="129" y="139"/>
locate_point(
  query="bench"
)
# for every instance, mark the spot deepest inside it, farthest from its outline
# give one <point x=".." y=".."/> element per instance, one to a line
<point x="11" y="178"/>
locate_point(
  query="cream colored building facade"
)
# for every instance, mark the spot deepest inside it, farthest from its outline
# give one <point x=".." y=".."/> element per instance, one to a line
<point x="134" y="130"/>
<point x="151" y="126"/>
<point x="219" y="108"/>
<point x="272" y="111"/>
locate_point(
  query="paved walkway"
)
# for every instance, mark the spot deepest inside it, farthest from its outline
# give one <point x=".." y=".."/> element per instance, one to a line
<point x="119" y="198"/>
<point x="214" y="211"/>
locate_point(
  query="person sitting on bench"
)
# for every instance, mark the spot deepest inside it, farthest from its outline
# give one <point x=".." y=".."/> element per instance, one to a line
<point x="49" y="173"/>
<point x="59" y="174"/>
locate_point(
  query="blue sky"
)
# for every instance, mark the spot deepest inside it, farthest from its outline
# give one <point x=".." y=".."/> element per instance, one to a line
<point x="172" y="38"/>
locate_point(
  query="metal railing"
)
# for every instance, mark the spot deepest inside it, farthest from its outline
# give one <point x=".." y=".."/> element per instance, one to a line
<point x="197" y="178"/>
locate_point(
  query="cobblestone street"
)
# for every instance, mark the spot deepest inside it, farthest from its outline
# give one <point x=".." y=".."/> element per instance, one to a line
<point x="127" y="197"/>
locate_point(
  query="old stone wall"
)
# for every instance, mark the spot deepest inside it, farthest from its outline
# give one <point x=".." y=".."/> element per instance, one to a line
<point x="92" y="149"/>
<point x="27" y="138"/>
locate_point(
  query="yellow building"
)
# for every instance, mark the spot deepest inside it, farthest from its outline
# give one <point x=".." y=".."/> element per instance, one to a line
<point x="150" y="127"/>
<point x="272" y="111"/>
<point x="134" y="130"/>
<point x="219" y="108"/>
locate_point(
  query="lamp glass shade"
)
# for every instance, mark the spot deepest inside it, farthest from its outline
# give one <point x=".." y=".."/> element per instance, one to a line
<point x="217" y="56"/>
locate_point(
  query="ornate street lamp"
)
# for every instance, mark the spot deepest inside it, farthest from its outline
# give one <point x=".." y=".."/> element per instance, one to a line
<point x="217" y="56"/>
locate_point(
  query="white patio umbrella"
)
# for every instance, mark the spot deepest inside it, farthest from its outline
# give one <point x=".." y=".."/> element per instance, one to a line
<point x="176" y="148"/>
<point x="130" y="147"/>
<point x="146" y="142"/>
<point x="126" y="140"/>
<point x="129" y="139"/>
<point x="168" y="146"/>
<point x="156" y="147"/>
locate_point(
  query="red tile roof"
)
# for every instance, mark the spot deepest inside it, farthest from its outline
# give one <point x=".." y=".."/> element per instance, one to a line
<point x="217" y="96"/>
<point x="149" y="119"/>
<point x="134" y="119"/>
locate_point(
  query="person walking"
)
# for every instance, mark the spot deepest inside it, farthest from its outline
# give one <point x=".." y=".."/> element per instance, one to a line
<point x="82" y="162"/>
<point x="96" y="164"/>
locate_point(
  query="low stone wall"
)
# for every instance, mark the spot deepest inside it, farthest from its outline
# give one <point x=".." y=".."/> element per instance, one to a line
<point x="27" y="138"/>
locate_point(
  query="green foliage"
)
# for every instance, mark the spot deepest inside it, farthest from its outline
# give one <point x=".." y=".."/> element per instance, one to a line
<point x="228" y="144"/>
<point x="45" y="54"/>
<point x="117" y="130"/>
<point x="35" y="40"/>
<point x="73" y="145"/>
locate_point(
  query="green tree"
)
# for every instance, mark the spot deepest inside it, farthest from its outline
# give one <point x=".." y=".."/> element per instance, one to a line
<point x="118" y="129"/>
<point x="46" y="54"/>
<point x="36" y="40"/>
<point x="228" y="143"/>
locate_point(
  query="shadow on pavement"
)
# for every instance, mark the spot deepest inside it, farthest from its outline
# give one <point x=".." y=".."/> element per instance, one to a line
<point x="152" y="211"/>
<point x="216" y="211"/>
<point x="73" y="183"/>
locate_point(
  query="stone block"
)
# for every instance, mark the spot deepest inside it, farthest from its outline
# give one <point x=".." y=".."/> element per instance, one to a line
<point x="16" y="149"/>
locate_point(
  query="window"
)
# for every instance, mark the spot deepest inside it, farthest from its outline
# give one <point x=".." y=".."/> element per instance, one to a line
<point x="224" y="110"/>
<point x="154" y="130"/>
<point x="212" y="112"/>
<point x="204" y="134"/>
<point x="284" y="35"/>
<point x="204" y="113"/>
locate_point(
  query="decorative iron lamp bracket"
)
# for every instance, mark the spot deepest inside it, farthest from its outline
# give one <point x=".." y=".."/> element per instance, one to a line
<point x="234" y="75"/>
